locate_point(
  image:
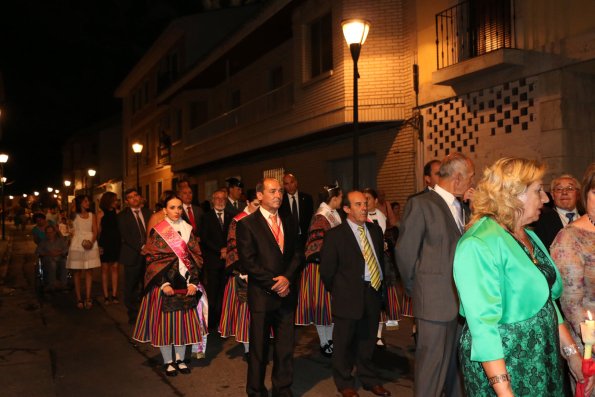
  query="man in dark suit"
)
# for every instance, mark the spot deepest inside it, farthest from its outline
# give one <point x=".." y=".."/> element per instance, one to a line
<point x="565" y="192"/>
<point x="212" y="231"/>
<point x="192" y="213"/>
<point x="298" y="205"/>
<point x="132" y="222"/>
<point x="351" y="268"/>
<point x="234" y="204"/>
<point x="430" y="229"/>
<point x="266" y="247"/>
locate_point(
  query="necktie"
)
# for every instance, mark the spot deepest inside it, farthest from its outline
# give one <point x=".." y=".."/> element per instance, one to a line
<point x="276" y="229"/>
<point x="220" y="217"/>
<point x="294" y="210"/>
<point x="371" y="262"/>
<point x="460" y="222"/>
<point x="141" y="228"/>
<point x="570" y="216"/>
<point x="191" y="216"/>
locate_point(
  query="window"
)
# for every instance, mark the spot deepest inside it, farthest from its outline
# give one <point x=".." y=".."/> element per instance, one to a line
<point x="177" y="125"/>
<point x="198" y="113"/>
<point x="341" y="170"/>
<point x="275" y="78"/>
<point x="321" y="45"/>
<point x="235" y="100"/>
<point x="147" y="197"/>
<point x="168" y="71"/>
<point x="159" y="189"/>
<point x="276" y="173"/>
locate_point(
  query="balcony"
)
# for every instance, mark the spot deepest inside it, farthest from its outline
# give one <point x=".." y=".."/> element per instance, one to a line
<point x="475" y="37"/>
<point x="473" y="28"/>
<point x="258" y="109"/>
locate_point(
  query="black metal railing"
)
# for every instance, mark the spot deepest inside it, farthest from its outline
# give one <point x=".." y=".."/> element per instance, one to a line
<point x="473" y="28"/>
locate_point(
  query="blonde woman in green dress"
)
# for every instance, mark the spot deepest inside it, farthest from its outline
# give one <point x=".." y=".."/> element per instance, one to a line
<point x="514" y="338"/>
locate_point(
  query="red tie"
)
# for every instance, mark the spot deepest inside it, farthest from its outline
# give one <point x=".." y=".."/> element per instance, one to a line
<point x="277" y="231"/>
<point x="191" y="216"/>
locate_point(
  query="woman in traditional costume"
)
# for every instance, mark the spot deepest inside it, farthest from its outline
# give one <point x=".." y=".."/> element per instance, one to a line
<point x="171" y="312"/>
<point x="235" y="316"/>
<point x="314" y="301"/>
<point x="390" y="315"/>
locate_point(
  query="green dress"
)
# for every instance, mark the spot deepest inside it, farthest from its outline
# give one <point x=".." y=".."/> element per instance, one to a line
<point x="531" y="349"/>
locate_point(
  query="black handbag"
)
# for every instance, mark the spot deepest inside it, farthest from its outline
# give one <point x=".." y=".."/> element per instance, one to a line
<point x="179" y="301"/>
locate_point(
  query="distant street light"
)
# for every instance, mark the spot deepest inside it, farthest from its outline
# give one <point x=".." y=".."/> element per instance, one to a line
<point x="24" y="194"/>
<point x="11" y="197"/>
<point x="3" y="160"/>
<point x="50" y="189"/>
<point x="36" y="193"/>
<point x="137" y="148"/>
<point x="355" y="32"/>
<point x="67" y="183"/>
<point x="91" y="172"/>
<point x="56" y="191"/>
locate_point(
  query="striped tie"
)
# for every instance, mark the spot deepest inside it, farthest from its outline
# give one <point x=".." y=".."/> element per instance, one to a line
<point x="370" y="259"/>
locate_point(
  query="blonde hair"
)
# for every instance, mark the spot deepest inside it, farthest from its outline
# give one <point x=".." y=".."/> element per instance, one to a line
<point x="497" y="193"/>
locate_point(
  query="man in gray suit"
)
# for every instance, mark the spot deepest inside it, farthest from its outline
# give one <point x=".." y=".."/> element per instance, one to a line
<point x="430" y="229"/>
<point x="132" y="222"/>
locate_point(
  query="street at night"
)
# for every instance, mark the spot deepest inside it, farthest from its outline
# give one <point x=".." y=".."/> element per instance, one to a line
<point x="48" y="348"/>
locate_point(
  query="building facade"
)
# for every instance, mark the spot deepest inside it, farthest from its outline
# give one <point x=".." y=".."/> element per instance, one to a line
<point x="270" y="90"/>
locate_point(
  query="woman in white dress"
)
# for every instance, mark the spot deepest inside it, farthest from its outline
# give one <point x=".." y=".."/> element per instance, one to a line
<point x="83" y="254"/>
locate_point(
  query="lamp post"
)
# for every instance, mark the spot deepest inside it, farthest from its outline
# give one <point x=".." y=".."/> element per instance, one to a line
<point x="355" y="32"/>
<point x="3" y="160"/>
<point x="91" y="172"/>
<point x="137" y="148"/>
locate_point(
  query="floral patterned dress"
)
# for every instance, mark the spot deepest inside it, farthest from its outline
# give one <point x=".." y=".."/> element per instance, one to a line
<point x="573" y="250"/>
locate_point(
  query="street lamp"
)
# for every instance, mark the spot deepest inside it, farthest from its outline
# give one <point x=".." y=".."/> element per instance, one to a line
<point x="355" y="32"/>
<point x="91" y="172"/>
<point x="137" y="148"/>
<point x="36" y="193"/>
<point x="3" y="160"/>
<point x="50" y="189"/>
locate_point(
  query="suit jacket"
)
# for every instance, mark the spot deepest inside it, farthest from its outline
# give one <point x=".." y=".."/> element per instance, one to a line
<point x="342" y="268"/>
<point x="424" y="253"/>
<point x="547" y="226"/>
<point x="233" y="210"/>
<point x="305" y="212"/>
<point x="198" y="214"/>
<point x="261" y="258"/>
<point x="212" y="237"/>
<point x="131" y="238"/>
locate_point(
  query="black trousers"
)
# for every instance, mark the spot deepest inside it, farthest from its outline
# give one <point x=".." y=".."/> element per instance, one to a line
<point x="215" y="279"/>
<point x="354" y="341"/>
<point x="282" y="322"/>
<point x="133" y="286"/>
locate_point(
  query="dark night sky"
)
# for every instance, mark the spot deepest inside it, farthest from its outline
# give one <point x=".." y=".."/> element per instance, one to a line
<point x="61" y="62"/>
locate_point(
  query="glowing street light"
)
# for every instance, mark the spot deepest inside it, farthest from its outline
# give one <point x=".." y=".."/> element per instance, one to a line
<point x="50" y="189"/>
<point x="36" y="193"/>
<point x="355" y="32"/>
<point x="67" y="183"/>
<point x="137" y="148"/>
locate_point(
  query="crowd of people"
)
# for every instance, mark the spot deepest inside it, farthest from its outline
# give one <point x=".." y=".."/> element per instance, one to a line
<point x="480" y="268"/>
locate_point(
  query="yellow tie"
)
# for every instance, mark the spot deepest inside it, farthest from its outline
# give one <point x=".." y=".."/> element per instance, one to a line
<point x="370" y="259"/>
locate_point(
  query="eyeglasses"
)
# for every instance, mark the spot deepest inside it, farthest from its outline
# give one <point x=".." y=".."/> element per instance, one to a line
<point x="566" y="189"/>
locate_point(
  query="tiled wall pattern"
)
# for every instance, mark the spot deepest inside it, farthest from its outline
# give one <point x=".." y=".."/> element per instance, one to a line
<point x="462" y="123"/>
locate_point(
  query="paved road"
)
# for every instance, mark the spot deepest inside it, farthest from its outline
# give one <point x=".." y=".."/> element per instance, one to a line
<point x="50" y="348"/>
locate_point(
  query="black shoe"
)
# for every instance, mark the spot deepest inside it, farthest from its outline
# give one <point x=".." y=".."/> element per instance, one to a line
<point x="182" y="367"/>
<point x="246" y="357"/>
<point x="326" y="350"/>
<point x="170" y="369"/>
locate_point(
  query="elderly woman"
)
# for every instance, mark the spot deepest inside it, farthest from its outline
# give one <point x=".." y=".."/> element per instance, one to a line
<point x="170" y="314"/>
<point x="514" y="334"/>
<point x="573" y="251"/>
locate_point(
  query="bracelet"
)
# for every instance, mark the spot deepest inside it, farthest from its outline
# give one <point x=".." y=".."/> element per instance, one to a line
<point x="498" y="379"/>
<point x="569" y="350"/>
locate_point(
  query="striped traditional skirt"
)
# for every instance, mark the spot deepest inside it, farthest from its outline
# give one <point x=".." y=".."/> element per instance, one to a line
<point x="392" y="311"/>
<point x="229" y="309"/>
<point x="407" y="306"/>
<point x="166" y="328"/>
<point x="314" y="302"/>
